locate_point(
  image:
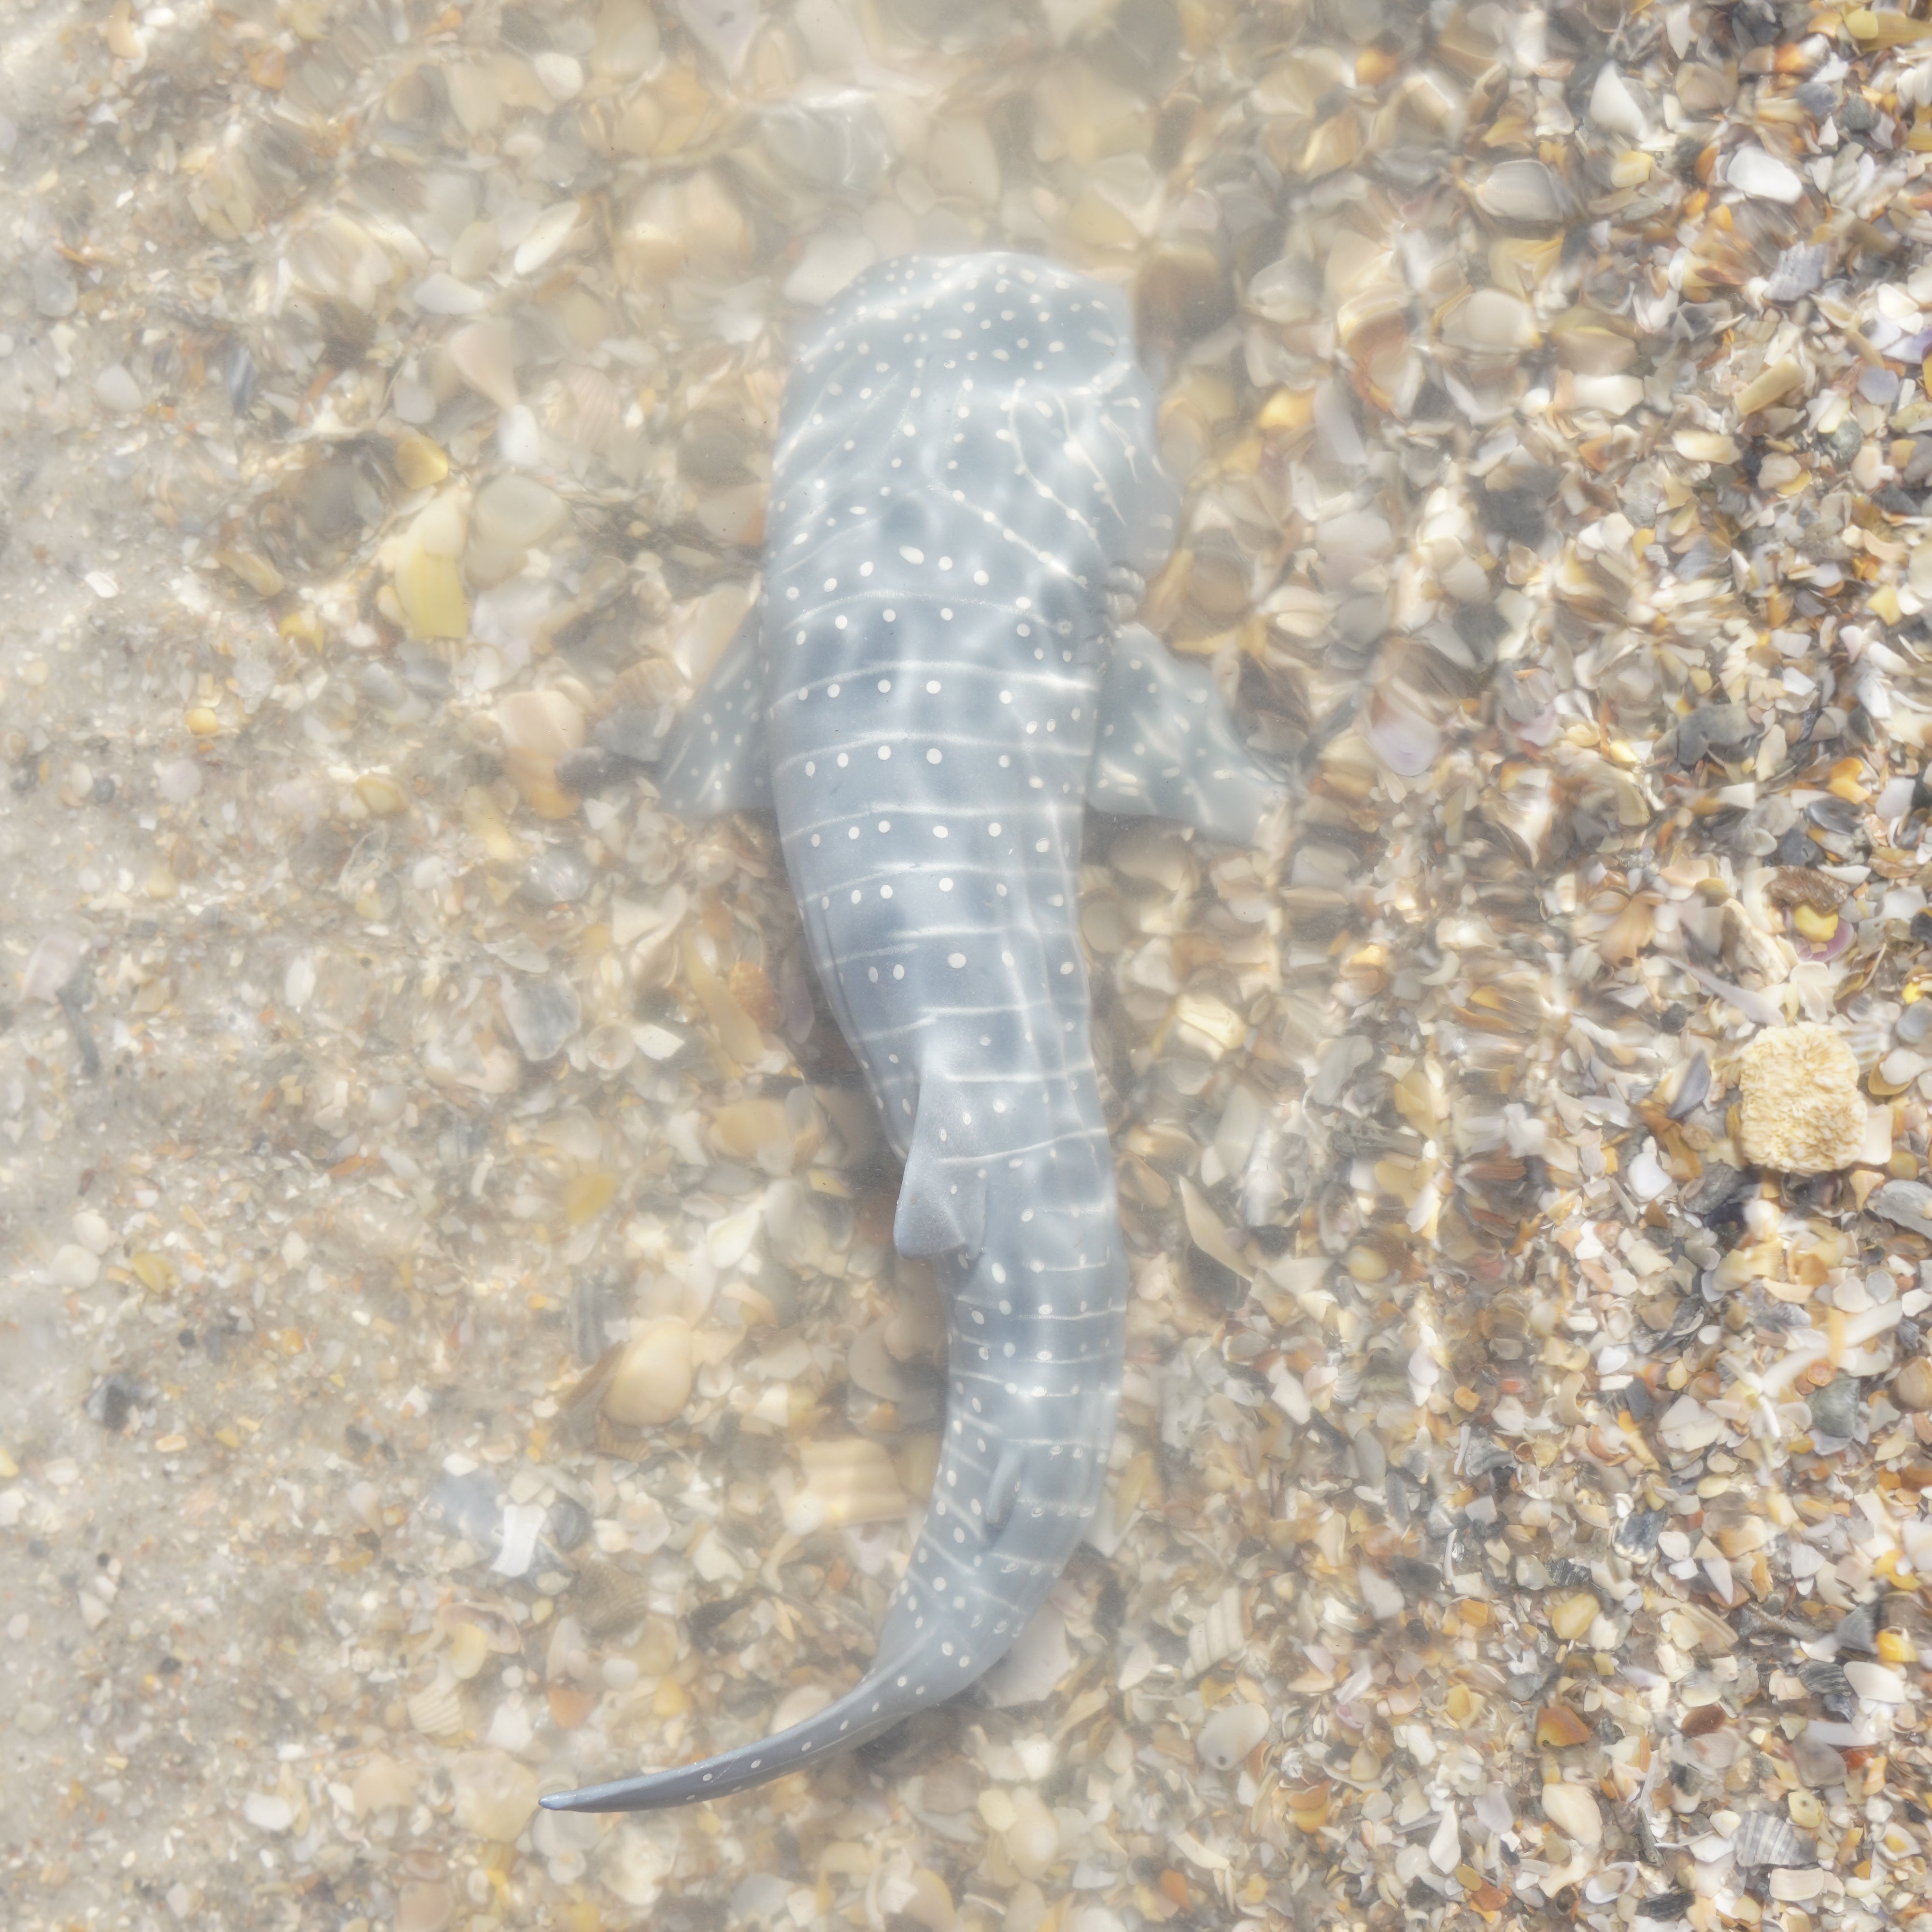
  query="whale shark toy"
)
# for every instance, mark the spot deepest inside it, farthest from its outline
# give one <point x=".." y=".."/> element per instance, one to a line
<point x="934" y="685"/>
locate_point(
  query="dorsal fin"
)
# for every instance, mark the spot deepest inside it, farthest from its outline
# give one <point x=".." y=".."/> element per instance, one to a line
<point x="943" y="1198"/>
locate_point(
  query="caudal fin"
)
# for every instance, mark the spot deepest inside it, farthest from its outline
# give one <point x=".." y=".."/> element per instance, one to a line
<point x="889" y="1693"/>
<point x="1036" y="1331"/>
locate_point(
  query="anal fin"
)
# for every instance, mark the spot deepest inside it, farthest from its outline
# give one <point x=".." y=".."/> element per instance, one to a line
<point x="942" y="1207"/>
<point x="1166" y="747"/>
<point x="715" y="759"/>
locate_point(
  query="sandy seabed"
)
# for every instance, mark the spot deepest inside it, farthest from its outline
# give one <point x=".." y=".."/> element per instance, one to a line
<point x="450" y="1345"/>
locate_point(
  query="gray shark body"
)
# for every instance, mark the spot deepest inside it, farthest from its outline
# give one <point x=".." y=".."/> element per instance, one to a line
<point x="931" y="690"/>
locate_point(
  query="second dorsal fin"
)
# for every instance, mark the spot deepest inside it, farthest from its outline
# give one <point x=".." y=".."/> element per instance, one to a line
<point x="943" y="1198"/>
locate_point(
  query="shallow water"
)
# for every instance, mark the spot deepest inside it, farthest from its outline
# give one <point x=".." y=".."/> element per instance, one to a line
<point x="452" y="1347"/>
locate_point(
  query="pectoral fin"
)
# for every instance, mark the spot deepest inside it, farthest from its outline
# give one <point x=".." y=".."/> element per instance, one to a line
<point x="715" y="759"/>
<point x="1166" y="747"/>
<point x="942" y="1201"/>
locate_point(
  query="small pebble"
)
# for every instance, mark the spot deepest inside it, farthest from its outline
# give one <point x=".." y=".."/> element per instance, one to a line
<point x="1836" y="1407"/>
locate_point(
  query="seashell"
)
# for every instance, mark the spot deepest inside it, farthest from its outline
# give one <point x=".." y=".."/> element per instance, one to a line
<point x="549" y="235"/>
<point x="608" y="1600"/>
<point x="696" y="222"/>
<point x="1574" y="1811"/>
<point x="652" y="1381"/>
<point x="543" y="1014"/>
<point x="1031" y="1836"/>
<point x="1807" y="886"/>
<point x="1492" y="321"/>
<point x="1205" y="1230"/>
<point x="1616" y="106"/>
<point x="738" y="1032"/>
<point x="626" y="41"/>
<point x="516" y="512"/>
<point x="1530" y="193"/>
<point x="474" y="252"/>
<point x="381" y="1785"/>
<point x="807" y="1701"/>
<point x="873" y="1369"/>
<point x="468" y="1649"/>
<point x="561" y="75"/>
<point x="1754" y="173"/>
<point x="424" y="1906"/>
<point x="1230" y="1733"/>
<point x="1571" y="1616"/>
<point x="835" y="142"/>
<point x="437" y="1710"/>
<point x="1407" y="745"/>
<point x="830" y="261"/>
<point x="1558" y="1725"/>
<point x="494" y="1795"/>
<point x="723" y="28"/>
<point x="254" y="569"/>
<point x="539" y="727"/>
<point x="846" y="1482"/>
<point x="1308" y="1805"/>
<point x="1877" y="1681"/>
<point x="1912" y="1386"/>
<point x="1765" y="1838"/>
<point x="1770" y="386"/>
<point x="115" y="388"/>
<point x="382" y="797"/>
<point x="420" y="463"/>
<point x="443" y="294"/>
<point x="51" y="965"/>
<point x="1184" y="290"/>
<point x="930" y="1902"/>
<point x="611" y="1047"/>
<point x="1614" y="395"/>
<point x="424" y="574"/>
<point x="1087" y="118"/>
<point x="740" y="1128"/>
<point x="1704" y="445"/>
<point x="728" y="1242"/>
<point x="485" y="354"/>
<point x="475" y="97"/>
